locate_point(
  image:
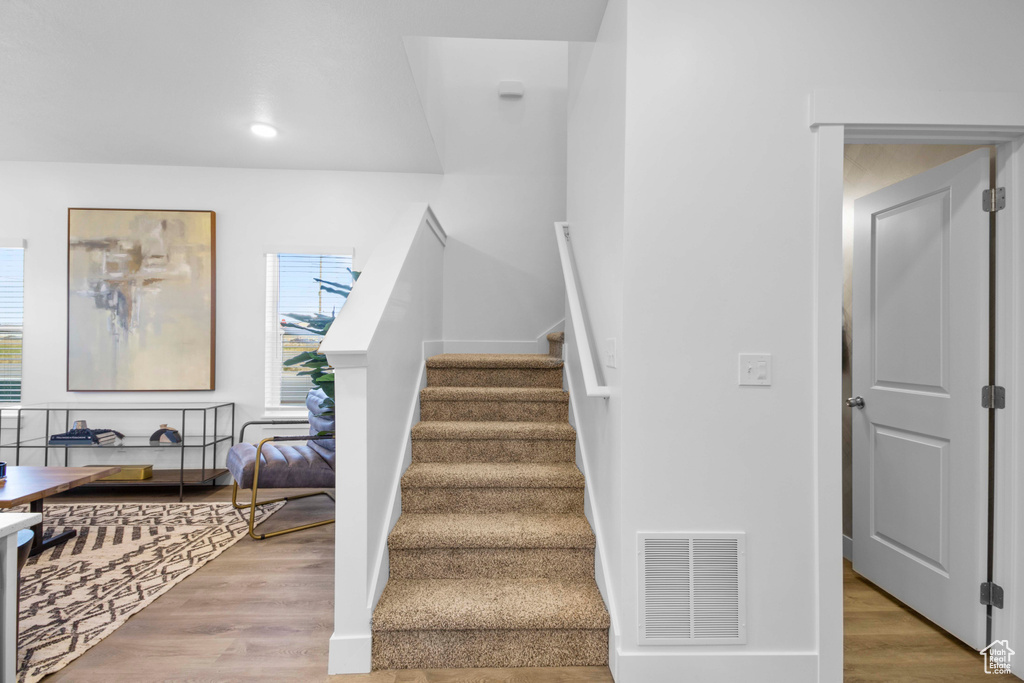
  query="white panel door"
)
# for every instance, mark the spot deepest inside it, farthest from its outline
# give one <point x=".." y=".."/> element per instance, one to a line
<point x="920" y="442"/>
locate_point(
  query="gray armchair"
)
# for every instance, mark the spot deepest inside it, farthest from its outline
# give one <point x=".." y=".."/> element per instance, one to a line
<point x="282" y="462"/>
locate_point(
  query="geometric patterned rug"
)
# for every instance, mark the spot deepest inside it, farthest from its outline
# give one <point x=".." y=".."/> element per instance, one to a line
<point x="125" y="556"/>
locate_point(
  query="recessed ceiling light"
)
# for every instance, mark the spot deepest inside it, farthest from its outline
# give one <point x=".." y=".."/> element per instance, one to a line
<point x="263" y="130"/>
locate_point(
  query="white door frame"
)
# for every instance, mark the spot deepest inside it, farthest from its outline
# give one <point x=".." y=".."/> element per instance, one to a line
<point x="841" y="116"/>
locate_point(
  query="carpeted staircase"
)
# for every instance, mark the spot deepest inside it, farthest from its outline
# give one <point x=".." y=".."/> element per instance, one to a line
<point x="492" y="560"/>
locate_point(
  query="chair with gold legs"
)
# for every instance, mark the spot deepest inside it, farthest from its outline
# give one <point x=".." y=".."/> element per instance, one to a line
<point x="277" y="463"/>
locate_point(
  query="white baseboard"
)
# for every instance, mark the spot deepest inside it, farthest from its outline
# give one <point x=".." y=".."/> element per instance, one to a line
<point x="614" y="646"/>
<point x="473" y="346"/>
<point x="379" y="577"/>
<point x="542" y="340"/>
<point x="602" y="574"/>
<point x="538" y="345"/>
<point x="644" y="667"/>
<point x="349" y="654"/>
<point x="847" y="548"/>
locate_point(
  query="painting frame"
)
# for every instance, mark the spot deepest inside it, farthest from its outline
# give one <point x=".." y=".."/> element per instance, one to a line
<point x="205" y="380"/>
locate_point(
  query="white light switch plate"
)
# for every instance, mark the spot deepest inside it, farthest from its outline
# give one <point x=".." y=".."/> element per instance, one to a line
<point x="610" y="357"/>
<point x="755" y="369"/>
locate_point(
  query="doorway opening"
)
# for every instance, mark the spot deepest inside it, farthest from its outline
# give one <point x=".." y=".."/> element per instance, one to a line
<point x="918" y="240"/>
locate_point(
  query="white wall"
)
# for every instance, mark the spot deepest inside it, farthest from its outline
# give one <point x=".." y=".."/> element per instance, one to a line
<point x="504" y="182"/>
<point x="504" y="187"/>
<point x="596" y="174"/>
<point x="254" y="208"/>
<point x="717" y="253"/>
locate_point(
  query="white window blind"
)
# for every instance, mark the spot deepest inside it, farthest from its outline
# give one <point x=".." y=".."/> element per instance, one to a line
<point x="12" y="313"/>
<point x="304" y="285"/>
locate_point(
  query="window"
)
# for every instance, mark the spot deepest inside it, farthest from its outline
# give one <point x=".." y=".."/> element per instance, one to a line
<point x="12" y="313"/>
<point x="303" y="285"/>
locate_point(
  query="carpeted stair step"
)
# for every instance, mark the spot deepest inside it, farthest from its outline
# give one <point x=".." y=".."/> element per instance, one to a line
<point x="500" y="530"/>
<point x="555" y="342"/>
<point x="494" y="370"/>
<point x="439" y="441"/>
<point x="492" y="487"/>
<point x="431" y="623"/>
<point x="492" y="558"/>
<point x="476" y="404"/>
<point x="491" y="563"/>
<point x="501" y="545"/>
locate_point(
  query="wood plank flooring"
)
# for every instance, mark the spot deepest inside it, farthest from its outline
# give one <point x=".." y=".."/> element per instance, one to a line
<point x="262" y="611"/>
<point x="887" y="641"/>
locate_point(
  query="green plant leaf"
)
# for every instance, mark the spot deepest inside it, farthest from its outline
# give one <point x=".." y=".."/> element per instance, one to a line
<point x="303" y="357"/>
<point x="327" y="384"/>
<point x="336" y="285"/>
<point x="315" y="363"/>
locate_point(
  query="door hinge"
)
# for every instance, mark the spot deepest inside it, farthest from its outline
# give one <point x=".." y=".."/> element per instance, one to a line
<point x="992" y="594"/>
<point x="1000" y="199"/>
<point x="993" y="397"/>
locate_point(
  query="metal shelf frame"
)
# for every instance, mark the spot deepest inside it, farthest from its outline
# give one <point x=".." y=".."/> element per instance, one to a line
<point x="206" y="439"/>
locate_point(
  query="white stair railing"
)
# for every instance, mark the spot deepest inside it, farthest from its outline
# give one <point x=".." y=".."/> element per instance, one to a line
<point x="376" y="349"/>
<point x="579" y="323"/>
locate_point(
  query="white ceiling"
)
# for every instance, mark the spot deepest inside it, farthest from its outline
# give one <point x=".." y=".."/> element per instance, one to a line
<point x="179" y="82"/>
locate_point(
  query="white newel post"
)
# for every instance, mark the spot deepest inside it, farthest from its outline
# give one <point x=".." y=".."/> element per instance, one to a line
<point x="10" y="524"/>
<point x="9" y="572"/>
<point x="350" y="643"/>
<point x="393" y="310"/>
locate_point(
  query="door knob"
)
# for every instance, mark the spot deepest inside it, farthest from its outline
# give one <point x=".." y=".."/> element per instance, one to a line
<point x="855" y="402"/>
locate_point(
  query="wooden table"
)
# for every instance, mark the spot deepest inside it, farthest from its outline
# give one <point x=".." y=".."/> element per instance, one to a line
<point x="32" y="484"/>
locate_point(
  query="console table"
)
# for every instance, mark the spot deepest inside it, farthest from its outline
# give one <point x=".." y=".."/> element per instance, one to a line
<point x="203" y="428"/>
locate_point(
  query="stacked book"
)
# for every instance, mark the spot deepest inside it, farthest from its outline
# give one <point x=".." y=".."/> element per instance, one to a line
<point x="105" y="437"/>
<point x="74" y="437"/>
<point x="86" y="437"/>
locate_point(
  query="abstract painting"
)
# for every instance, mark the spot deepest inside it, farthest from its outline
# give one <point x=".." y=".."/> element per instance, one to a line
<point x="141" y="300"/>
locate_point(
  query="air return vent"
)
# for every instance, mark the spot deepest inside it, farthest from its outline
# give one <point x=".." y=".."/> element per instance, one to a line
<point x="692" y="588"/>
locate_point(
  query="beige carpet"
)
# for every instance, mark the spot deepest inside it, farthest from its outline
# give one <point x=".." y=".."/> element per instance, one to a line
<point x="492" y="559"/>
<point x="124" y="557"/>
